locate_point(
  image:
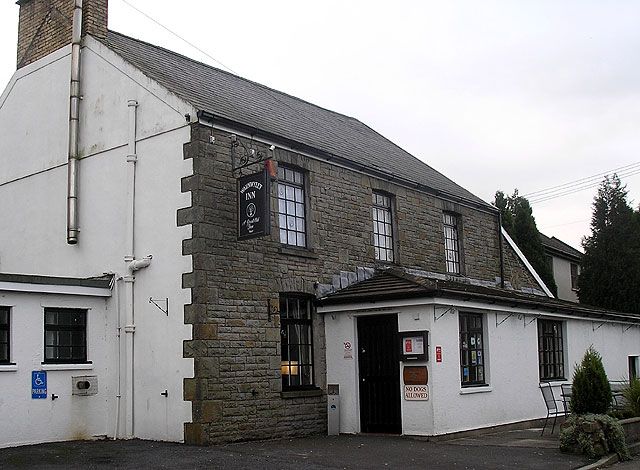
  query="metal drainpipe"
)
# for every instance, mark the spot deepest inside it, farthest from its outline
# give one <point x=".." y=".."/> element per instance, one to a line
<point x="129" y="278"/>
<point x="74" y="116"/>
<point x="132" y="265"/>
<point x="500" y="247"/>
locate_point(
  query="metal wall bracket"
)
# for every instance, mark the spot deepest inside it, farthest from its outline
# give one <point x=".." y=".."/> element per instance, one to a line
<point x="164" y="310"/>
<point x="498" y="323"/>
<point x="535" y="317"/>
<point x="597" y="327"/>
<point x="243" y="156"/>
<point x="628" y="327"/>
<point x="437" y="317"/>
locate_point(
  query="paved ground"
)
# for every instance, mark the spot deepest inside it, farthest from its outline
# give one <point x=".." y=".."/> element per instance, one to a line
<point x="506" y="450"/>
<point x="629" y="465"/>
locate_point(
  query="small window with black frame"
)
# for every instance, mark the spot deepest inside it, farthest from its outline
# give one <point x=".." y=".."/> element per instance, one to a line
<point x="65" y="336"/>
<point x="450" y="223"/>
<point x="472" y="360"/>
<point x="296" y="335"/>
<point x="291" y="207"/>
<point x="550" y="350"/>
<point x="382" y="227"/>
<point x="5" y="336"/>
<point x="574" y="276"/>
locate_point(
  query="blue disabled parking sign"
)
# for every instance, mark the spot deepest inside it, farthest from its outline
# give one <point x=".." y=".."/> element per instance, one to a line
<point x="38" y="384"/>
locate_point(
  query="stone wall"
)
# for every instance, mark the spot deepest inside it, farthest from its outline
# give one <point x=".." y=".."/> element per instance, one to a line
<point x="236" y="392"/>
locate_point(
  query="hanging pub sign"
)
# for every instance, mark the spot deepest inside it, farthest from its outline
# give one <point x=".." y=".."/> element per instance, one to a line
<point x="253" y="205"/>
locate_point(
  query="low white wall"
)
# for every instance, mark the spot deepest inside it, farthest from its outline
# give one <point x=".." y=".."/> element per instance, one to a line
<point x="26" y="420"/>
<point x="512" y="393"/>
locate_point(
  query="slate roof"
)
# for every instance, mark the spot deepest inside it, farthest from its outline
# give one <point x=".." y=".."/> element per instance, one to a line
<point x="395" y="284"/>
<point x="559" y="247"/>
<point x="271" y="112"/>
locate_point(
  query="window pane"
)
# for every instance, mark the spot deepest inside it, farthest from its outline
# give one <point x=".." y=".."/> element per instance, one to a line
<point x="382" y="228"/>
<point x="65" y="335"/>
<point x="550" y="350"/>
<point x="296" y="342"/>
<point x="291" y="205"/>
<point x="472" y="359"/>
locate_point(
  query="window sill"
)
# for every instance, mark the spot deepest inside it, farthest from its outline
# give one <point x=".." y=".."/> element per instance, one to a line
<point x="382" y="263"/>
<point x="301" y="252"/>
<point x="85" y="366"/>
<point x="8" y="367"/>
<point x="316" y="392"/>
<point x="557" y="381"/>
<point x="478" y="389"/>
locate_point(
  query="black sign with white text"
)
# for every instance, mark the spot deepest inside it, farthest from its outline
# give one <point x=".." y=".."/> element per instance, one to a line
<point x="253" y="205"/>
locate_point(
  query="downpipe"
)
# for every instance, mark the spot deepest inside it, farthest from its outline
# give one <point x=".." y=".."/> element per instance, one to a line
<point x="132" y="266"/>
<point x="74" y="119"/>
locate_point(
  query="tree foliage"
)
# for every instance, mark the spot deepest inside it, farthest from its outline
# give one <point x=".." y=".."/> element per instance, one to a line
<point x="590" y="392"/>
<point x="518" y="221"/>
<point x="610" y="273"/>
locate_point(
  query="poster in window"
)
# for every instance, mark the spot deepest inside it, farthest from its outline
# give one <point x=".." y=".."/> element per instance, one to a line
<point x="473" y="358"/>
<point x="414" y="345"/>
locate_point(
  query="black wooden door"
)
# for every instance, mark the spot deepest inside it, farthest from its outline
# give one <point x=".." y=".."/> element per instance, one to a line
<point x="378" y="361"/>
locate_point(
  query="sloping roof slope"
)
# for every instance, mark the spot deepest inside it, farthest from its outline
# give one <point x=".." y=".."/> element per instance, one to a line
<point x="396" y="284"/>
<point x="242" y="101"/>
<point x="555" y="245"/>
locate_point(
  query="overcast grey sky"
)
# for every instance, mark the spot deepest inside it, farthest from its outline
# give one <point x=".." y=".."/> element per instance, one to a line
<point x="494" y="94"/>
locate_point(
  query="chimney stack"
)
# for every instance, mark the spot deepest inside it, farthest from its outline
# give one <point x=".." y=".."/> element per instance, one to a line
<point x="44" y="26"/>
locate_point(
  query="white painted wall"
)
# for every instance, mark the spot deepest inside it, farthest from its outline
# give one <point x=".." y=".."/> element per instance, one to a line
<point x="33" y="180"/>
<point x="511" y="355"/>
<point x="562" y="276"/>
<point x="27" y="421"/>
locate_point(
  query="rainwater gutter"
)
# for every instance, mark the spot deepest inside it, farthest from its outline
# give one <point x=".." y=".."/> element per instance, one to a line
<point x="74" y="118"/>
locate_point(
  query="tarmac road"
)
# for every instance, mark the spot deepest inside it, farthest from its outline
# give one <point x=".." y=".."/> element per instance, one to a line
<point x="337" y="452"/>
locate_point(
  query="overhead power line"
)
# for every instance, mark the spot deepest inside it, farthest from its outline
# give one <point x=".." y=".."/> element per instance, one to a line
<point x="265" y="90"/>
<point x="177" y="35"/>
<point x="581" y="184"/>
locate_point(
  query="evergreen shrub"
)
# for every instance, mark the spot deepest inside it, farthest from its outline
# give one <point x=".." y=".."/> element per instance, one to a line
<point x="632" y="396"/>
<point x="591" y="392"/>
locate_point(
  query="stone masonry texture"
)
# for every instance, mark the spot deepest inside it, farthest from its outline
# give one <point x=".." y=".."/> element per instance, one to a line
<point x="236" y="392"/>
<point x="44" y="26"/>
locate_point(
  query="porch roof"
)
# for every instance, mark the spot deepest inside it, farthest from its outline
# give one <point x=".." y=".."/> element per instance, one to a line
<point x="393" y="284"/>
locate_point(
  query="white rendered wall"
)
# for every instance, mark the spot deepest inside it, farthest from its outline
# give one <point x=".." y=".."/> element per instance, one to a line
<point x="342" y="369"/>
<point x="562" y="276"/>
<point x="26" y="420"/>
<point x="33" y="180"/>
<point x="512" y="393"/>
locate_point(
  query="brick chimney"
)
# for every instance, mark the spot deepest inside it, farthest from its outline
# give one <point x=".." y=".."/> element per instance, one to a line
<point x="44" y="26"/>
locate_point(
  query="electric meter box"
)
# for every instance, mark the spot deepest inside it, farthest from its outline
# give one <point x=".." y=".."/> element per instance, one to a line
<point x="84" y="385"/>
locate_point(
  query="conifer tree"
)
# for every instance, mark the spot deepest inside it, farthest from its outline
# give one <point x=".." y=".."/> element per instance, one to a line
<point x="591" y="392"/>
<point x="610" y="273"/>
<point x="518" y="221"/>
